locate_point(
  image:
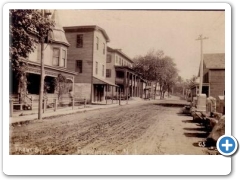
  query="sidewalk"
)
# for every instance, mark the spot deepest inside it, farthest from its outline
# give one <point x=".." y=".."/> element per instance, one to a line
<point x="33" y="115"/>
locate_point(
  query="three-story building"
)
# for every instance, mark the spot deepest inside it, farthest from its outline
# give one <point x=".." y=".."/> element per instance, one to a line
<point x="87" y="56"/>
<point x="119" y="71"/>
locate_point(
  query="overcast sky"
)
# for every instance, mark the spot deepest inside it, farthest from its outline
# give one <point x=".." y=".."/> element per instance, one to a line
<point x="175" y="32"/>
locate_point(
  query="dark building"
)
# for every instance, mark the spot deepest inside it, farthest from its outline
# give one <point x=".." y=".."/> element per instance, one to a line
<point x="213" y="76"/>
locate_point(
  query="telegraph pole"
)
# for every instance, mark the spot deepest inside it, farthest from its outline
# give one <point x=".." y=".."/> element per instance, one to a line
<point x="201" y="38"/>
<point x="42" y="39"/>
<point x="42" y="76"/>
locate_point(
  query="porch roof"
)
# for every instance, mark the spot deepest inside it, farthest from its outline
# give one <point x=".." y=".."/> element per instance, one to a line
<point x="102" y="81"/>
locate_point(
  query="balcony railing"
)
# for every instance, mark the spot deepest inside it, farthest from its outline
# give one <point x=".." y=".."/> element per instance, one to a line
<point x="119" y="80"/>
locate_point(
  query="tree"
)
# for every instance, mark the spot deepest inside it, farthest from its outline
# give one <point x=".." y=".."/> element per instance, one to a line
<point x="157" y="67"/>
<point x="26" y="28"/>
<point x="61" y="85"/>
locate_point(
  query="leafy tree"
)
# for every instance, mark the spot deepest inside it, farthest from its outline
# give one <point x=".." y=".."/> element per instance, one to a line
<point x="158" y="68"/>
<point x="61" y="85"/>
<point x="27" y="28"/>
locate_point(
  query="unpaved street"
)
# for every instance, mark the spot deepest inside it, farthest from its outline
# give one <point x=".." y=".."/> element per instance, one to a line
<point x="144" y="128"/>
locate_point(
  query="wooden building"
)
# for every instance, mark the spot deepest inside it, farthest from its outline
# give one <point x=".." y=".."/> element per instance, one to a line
<point x="213" y="76"/>
<point x="87" y="56"/>
<point x="119" y="71"/>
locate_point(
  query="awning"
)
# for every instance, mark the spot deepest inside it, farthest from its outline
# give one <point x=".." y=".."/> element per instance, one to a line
<point x="102" y="81"/>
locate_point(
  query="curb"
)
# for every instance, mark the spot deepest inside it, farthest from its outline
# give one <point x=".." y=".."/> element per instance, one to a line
<point x="27" y="121"/>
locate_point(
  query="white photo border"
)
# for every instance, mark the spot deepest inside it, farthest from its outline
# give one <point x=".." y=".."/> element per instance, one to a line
<point x="115" y="164"/>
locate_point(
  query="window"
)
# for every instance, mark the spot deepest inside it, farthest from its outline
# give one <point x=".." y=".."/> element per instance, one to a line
<point x="63" y="58"/>
<point x="79" y="66"/>
<point x="79" y="40"/>
<point x="103" y="48"/>
<point x="56" y="55"/>
<point x="109" y="58"/>
<point x="116" y="59"/>
<point x="108" y="72"/>
<point x="120" y="61"/>
<point x="97" y="42"/>
<point x="103" y="70"/>
<point x="96" y="70"/>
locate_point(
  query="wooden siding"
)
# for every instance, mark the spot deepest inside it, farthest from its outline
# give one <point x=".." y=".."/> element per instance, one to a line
<point x="217" y="82"/>
<point x="82" y="91"/>
<point x="205" y="74"/>
<point x="85" y="54"/>
<point x="99" y="56"/>
<point x="111" y="66"/>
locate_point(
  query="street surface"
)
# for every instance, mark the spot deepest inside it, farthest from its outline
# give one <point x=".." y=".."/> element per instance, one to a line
<point x="141" y="128"/>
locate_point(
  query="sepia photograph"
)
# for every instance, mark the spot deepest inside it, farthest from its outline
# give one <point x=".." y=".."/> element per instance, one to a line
<point x="116" y="81"/>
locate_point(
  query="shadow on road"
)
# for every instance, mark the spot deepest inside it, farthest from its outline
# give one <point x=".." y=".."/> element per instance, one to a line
<point x="182" y="114"/>
<point x="191" y="121"/>
<point x="195" y="129"/>
<point x="198" y="135"/>
<point x="169" y="104"/>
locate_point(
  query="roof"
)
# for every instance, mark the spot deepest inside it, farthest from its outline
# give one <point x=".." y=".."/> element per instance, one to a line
<point x="86" y="28"/>
<point x="57" y="34"/>
<point x="119" y="52"/>
<point x="37" y="64"/>
<point x="197" y="82"/>
<point x="102" y="81"/>
<point x="117" y="67"/>
<point x="214" y="61"/>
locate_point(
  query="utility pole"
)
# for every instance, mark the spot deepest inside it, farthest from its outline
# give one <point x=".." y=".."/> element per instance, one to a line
<point x="201" y="38"/>
<point x="40" y="103"/>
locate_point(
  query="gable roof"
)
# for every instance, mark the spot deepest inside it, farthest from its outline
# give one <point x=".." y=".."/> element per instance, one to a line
<point x="214" y="61"/>
<point x="119" y="52"/>
<point x="85" y="29"/>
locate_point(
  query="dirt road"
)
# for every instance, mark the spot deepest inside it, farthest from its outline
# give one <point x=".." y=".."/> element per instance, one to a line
<point x="144" y="128"/>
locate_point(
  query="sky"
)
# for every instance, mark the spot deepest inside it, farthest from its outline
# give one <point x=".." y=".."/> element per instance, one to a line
<point x="174" y="32"/>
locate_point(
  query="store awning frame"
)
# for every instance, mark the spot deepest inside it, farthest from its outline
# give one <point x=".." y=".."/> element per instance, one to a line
<point x="103" y="82"/>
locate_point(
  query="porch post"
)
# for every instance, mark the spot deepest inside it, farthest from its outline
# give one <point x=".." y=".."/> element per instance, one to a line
<point x="106" y="92"/>
<point x="11" y="107"/>
<point x="119" y="96"/>
<point x="73" y="88"/>
<point x="132" y="84"/>
<point x="72" y="102"/>
<point x="44" y="104"/>
<point x="31" y="102"/>
<point x="55" y="104"/>
<point x="112" y="94"/>
<point x="127" y="88"/>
